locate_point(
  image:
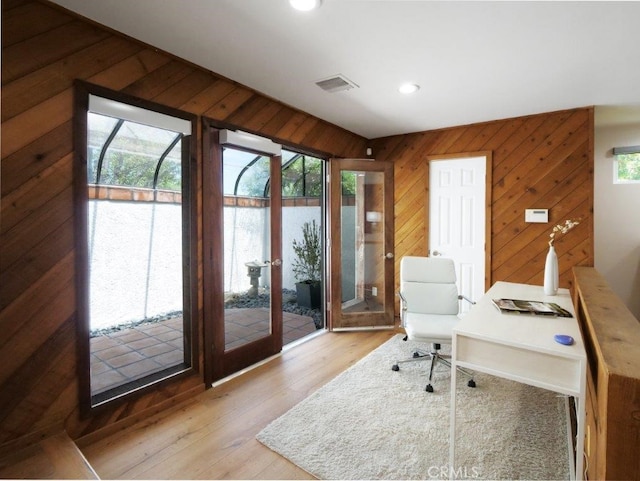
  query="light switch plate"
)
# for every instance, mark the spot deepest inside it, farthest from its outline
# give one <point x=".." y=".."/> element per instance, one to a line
<point x="536" y="215"/>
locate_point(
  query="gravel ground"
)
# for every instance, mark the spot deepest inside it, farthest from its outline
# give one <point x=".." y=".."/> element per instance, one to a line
<point x="237" y="300"/>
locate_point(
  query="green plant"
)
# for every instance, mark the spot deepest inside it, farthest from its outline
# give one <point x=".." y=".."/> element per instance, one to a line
<point x="307" y="266"/>
<point x="628" y="167"/>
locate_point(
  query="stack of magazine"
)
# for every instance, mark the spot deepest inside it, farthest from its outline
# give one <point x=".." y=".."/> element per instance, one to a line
<point x="537" y="308"/>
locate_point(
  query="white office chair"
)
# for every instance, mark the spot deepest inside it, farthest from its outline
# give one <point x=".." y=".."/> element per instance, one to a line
<point x="430" y="304"/>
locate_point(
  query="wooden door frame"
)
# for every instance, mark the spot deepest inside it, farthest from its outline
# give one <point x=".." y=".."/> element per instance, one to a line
<point x="213" y="272"/>
<point x="212" y="228"/>
<point x="334" y="254"/>
<point x="488" y="155"/>
<point x="89" y="404"/>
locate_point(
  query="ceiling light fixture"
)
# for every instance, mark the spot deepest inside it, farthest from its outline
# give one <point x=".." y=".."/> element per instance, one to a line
<point x="305" y="5"/>
<point x="408" y="88"/>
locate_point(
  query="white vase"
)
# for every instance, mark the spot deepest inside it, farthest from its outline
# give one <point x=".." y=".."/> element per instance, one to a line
<point x="551" y="273"/>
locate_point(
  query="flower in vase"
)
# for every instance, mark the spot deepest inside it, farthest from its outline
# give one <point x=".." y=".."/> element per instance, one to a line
<point x="562" y="229"/>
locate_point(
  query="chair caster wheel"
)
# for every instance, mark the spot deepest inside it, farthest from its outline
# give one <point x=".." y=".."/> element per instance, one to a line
<point x="429" y="388"/>
<point x="471" y="383"/>
<point x="395" y="367"/>
<point x="416" y="355"/>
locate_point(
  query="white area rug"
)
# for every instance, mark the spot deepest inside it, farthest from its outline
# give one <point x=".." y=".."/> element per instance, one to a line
<point x="373" y="423"/>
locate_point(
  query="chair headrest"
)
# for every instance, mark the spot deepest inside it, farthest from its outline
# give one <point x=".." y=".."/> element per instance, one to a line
<point x="427" y="269"/>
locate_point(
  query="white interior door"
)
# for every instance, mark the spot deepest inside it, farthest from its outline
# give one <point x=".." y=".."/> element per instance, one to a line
<point x="457" y="190"/>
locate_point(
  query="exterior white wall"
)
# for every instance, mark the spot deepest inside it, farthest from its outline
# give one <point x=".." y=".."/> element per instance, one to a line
<point x="147" y="281"/>
<point x="348" y="252"/>
<point x="617" y="215"/>
<point x="247" y="239"/>
<point x="292" y="220"/>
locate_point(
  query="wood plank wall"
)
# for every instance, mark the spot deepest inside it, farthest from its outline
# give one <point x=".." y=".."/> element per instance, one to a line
<point x="538" y="161"/>
<point x="44" y="48"/>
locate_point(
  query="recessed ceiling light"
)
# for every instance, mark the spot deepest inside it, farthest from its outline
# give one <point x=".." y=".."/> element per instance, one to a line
<point x="305" y="5"/>
<point x="408" y="88"/>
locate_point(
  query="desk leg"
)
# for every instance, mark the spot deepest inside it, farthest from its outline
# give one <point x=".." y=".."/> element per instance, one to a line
<point x="452" y="412"/>
<point x="580" y="420"/>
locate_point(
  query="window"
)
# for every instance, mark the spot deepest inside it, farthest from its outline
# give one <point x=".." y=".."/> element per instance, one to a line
<point x="301" y="175"/>
<point x="626" y="166"/>
<point x="248" y="174"/>
<point x="129" y="154"/>
<point x="135" y="280"/>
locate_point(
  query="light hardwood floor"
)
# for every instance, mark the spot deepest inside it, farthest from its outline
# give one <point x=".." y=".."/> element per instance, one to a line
<point x="52" y="457"/>
<point x="212" y="436"/>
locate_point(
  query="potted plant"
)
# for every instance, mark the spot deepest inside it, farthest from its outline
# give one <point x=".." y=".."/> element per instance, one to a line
<point x="307" y="266"/>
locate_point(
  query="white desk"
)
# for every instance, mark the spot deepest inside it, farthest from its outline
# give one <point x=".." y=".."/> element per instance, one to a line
<point x="521" y="348"/>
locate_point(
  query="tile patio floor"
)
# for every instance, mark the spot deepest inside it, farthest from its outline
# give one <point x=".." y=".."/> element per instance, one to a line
<point x="130" y="354"/>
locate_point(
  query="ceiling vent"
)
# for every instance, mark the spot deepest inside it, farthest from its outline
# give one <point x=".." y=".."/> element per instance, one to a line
<point x="337" y="83"/>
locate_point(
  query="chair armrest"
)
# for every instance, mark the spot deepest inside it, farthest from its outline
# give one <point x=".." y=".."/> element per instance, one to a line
<point x="403" y="301"/>
<point x="461" y="297"/>
<point x="403" y="308"/>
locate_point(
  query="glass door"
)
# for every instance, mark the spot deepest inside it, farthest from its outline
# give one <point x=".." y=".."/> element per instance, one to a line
<point x="362" y="264"/>
<point x="243" y="271"/>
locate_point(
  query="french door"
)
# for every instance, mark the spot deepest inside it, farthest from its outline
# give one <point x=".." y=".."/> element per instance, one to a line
<point x="242" y="218"/>
<point x="361" y="244"/>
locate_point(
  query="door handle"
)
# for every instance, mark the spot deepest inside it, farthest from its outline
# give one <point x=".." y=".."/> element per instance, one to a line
<point x="388" y="255"/>
<point x="275" y="262"/>
<point x="436" y="253"/>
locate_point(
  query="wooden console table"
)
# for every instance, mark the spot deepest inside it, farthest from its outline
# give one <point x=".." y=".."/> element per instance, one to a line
<point x="612" y="342"/>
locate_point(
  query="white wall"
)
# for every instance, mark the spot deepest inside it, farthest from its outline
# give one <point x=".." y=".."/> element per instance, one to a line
<point x="147" y="280"/>
<point x="135" y="254"/>
<point x="246" y="240"/>
<point x="616" y="210"/>
<point x="293" y="219"/>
